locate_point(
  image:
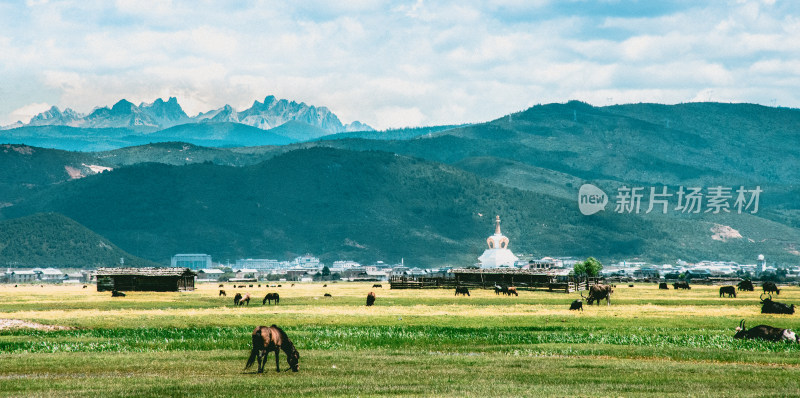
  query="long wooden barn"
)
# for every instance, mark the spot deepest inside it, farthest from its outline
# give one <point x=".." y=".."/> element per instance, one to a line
<point x="535" y="278"/>
<point x="172" y="279"/>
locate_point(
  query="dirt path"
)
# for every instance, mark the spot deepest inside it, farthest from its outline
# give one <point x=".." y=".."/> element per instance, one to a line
<point x="18" y="323"/>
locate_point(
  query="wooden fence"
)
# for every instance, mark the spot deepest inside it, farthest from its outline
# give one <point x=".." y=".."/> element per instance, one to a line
<point x="450" y="283"/>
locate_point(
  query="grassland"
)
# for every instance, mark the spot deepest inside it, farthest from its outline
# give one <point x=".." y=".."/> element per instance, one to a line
<point x="428" y="343"/>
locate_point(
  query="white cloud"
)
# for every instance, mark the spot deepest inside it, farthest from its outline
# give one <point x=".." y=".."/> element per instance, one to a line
<point x="392" y="63"/>
<point x="28" y="111"/>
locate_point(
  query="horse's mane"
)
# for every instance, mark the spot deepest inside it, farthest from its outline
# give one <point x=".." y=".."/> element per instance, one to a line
<point x="286" y="345"/>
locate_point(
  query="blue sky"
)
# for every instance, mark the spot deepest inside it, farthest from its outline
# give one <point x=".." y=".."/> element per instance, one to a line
<point x="392" y="63"/>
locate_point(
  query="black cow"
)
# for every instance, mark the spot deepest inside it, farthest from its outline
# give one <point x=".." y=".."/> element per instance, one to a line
<point x="377" y="285"/>
<point x="462" y="290"/>
<point x="730" y="291"/>
<point x="327" y="295"/>
<point x="681" y="285"/>
<point x="773" y="307"/>
<point x="370" y="299"/>
<point x="498" y="289"/>
<point x="770" y="287"/>
<point x="576" y="305"/>
<point x="222" y="293"/>
<point x="745" y="286"/>
<point x="597" y="293"/>
<point x="764" y="332"/>
<point x="237" y="298"/>
<point x="663" y="286"/>
<point x="116" y="293"/>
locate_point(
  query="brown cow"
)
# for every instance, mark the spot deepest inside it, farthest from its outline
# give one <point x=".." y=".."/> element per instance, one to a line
<point x="599" y="292"/>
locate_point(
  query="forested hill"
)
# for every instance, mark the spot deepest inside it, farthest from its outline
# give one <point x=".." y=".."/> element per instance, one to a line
<point x="52" y="240"/>
<point x="365" y="206"/>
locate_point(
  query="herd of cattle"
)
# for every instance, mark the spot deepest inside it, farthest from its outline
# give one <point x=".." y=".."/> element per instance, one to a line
<point x="598" y="293"/>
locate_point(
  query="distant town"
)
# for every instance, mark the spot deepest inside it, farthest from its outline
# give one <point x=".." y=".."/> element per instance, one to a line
<point x="497" y="256"/>
<point x="309" y="268"/>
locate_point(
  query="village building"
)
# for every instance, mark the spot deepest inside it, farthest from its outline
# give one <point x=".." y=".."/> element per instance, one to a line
<point x="52" y="275"/>
<point x="261" y="264"/>
<point x="209" y="274"/>
<point x="191" y="261"/>
<point x="146" y="279"/>
<point x="21" y="276"/>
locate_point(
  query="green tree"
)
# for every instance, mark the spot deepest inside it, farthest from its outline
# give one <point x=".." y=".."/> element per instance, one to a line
<point x="326" y="271"/>
<point x="579" y="268"/>
<point x="592" y="266"/>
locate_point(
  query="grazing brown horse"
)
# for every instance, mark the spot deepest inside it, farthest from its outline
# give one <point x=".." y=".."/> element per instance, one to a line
<point x="271" y="296"/>
<point x="273" y="338"/>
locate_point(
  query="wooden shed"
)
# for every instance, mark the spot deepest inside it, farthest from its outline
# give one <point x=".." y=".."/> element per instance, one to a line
<point x="533" y="278"/>
<point x="145" y="279"/>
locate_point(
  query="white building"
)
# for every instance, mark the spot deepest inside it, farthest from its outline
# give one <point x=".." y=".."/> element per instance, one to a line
<point x="497" y="255"/>
<point x="261" y="264"/>
<point x="307" y="261"/>
<point x="52" y="275"/>
<point x="21" y="276"/>
<point x="191" y="261"/>
<point x="344" y="264"/>
<point x="209" y="274"/>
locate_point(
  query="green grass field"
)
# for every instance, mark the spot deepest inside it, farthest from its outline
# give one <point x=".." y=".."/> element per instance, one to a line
<point x="411" y="343"/>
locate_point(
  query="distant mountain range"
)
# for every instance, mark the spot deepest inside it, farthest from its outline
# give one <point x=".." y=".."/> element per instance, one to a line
<point x="126" y="124"/>
<point x="424" y="194"/>
<point x="164" y="114"/>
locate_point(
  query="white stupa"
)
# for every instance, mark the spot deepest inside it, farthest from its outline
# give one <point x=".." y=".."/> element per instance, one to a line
<point x="497" y="255"/>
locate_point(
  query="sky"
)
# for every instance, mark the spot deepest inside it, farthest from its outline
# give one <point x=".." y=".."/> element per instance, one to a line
<point x="396" y="63"/>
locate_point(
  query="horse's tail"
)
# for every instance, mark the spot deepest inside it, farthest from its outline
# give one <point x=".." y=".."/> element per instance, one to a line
<point x="258" y="343"/>
<point x="252" y="359"/>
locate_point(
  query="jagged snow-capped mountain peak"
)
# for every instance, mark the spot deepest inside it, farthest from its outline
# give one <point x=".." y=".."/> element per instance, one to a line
<point x="167" y="113"/>
<point x="54" y="116"/>
<point x="271" y="113"/>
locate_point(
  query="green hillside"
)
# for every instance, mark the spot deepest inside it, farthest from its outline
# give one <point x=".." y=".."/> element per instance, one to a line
<point x="25" y="169"/>
<point x="52" y="240"/>
<point x="371" y="205"/>
<point x="175" y="153"/>
<point x="391" y="134"/>
<point x="219" y="135"/>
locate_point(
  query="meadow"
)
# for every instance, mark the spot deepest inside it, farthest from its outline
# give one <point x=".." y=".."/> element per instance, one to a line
<point x="411" y="343"/>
